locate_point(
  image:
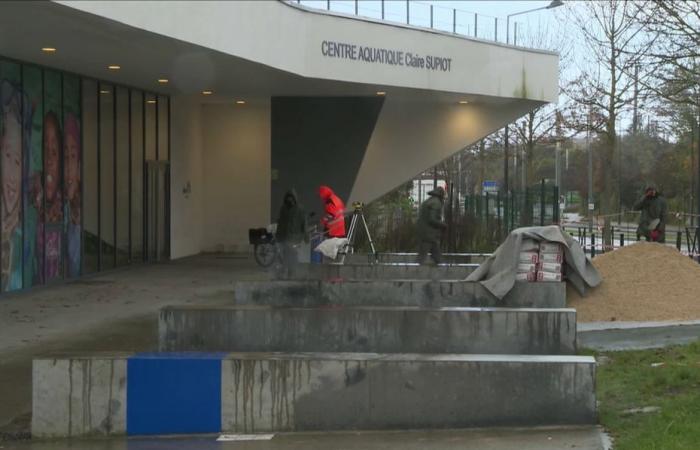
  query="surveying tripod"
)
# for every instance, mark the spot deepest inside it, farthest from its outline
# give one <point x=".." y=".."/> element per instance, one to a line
<point x="357" y="216"/>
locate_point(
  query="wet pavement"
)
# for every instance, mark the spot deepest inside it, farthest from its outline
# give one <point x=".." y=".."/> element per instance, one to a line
<point x="114" y="311"/>
<point x="550" y="438"/>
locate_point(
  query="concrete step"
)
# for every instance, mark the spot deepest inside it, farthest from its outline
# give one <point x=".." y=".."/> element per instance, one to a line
<point x="383" y="271"/>
<point x="368" y="329"/>
<point x="151" y="394"/>
<point x="396" y="293"/>
<point x="447" y="258"/>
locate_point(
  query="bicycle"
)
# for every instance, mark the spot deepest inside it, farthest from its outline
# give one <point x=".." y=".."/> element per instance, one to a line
<point x="266" y="250"/>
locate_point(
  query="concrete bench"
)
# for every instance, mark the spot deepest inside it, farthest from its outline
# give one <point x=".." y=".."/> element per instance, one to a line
<point x="157" y="394"/>
<point x="383" y="271"/>
<point x="396" y="293"/>
<point x="368" y="329"/>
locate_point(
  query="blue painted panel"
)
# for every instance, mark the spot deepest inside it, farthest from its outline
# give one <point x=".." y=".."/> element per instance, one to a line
<point x="173" y="393"/>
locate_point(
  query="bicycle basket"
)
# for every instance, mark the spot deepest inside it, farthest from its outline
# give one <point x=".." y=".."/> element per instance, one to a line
<point x="259" y="236"/>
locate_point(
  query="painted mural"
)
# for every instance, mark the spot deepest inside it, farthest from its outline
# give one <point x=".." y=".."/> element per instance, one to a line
<point x="40" y="151"/>
<point x="53" y="149"/>
<point x="33" y="183"/>
<point x="11" y="130"/>
<point x="71" y="175"/>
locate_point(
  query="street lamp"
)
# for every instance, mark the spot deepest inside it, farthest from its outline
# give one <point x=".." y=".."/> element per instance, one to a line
<point x="552" y="4"/>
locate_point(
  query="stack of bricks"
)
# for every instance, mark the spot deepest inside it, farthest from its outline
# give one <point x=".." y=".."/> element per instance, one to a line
<point x="540" y="261"/>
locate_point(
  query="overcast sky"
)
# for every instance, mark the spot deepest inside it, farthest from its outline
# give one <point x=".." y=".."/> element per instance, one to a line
<point x="487" y="11"/>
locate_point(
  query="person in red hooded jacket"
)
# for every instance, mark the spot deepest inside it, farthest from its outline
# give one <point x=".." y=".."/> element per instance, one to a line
<point x="333" y="220"/>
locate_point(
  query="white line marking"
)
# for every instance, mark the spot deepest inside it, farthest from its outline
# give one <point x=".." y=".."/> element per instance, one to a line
<point x="245" y="437"/>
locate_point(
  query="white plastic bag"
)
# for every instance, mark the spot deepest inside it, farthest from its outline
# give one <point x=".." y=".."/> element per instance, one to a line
<point x="330" y="247"/>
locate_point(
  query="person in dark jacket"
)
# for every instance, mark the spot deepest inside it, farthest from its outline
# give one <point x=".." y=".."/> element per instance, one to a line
<point x="291" y="230"/>
<point x="652" y="221"/>
<point x="430" y="226"/>
<point x="333" y="220"/>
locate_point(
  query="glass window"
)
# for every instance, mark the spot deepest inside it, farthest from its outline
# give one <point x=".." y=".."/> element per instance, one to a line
<point x="53" y="176"/>
<point x="150" y="129"/>
<point x="122" y="157"/>
<point x="151" y="133"/>
<point x="163" y="128"/>
<point x="33" y="170"/>
<point x="137" y="107"/>
<point x="78" y="193"/>
<point x="72" y="188"/>
<point x="107" y="192"/>
<point x="91" y="241"/>
<point x="11" y="120"/>
<point x="163" y="155"/>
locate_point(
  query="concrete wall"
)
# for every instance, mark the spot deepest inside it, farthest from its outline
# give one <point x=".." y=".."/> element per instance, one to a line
<point x="186" y="165"/>
<point x="256" y="392"/>
<point x="369" y="329"/>
<point x="78" y="396"/>
<point x="236" y="172"/>
<point x="319" y="141"/>
<point x="345" y="391"/>
<point x="413" y="134"/>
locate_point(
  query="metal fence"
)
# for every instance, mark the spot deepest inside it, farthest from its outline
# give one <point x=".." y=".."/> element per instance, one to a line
<point x="685" y="239"/>
<point x="440" y="18"/>
<point x="505" y="211"/>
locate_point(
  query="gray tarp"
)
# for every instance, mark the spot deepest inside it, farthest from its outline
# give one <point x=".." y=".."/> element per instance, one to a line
<point x="497" y="274"/>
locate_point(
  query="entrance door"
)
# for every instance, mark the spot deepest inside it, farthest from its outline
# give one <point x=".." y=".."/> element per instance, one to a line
<point x="157" y="211"/>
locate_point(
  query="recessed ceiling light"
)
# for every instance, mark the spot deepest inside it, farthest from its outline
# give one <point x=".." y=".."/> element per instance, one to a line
<point x="151" y="102"/>
<point x="240" y="102"/>
<point x="463" y="102"/>
<point x="114" y="67"/>
<point x="48" y="49"/>
<point x="207" y="92"/>
<point x="163" y="80"/>
<point x="104" y="92"/>
<point x="381" y="93"/>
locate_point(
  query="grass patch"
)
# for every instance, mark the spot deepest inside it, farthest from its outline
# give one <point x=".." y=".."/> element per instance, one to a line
<point x="628" y="380"/>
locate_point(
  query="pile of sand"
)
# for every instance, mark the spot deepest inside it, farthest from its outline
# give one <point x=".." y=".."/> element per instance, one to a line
<point x="641" y="282"/>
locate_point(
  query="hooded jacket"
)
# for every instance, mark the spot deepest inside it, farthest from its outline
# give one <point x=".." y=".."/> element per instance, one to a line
<point x="430" y="224"/>
<point x="291" y="222"/>
<point x="333" y="220"/>
<point x="652" y="209"/>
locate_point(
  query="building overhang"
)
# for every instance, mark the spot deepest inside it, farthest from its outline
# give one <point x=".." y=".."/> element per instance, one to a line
<point x="264" y="49"/>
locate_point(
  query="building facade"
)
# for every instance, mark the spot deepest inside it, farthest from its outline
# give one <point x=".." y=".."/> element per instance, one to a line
<point x="142" y="131"/>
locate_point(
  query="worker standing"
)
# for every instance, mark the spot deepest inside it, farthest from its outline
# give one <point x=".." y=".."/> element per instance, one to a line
<point x="291" y="231"/>
<point x="652" y="221"/>
<point x="430" y="226"/>
<point x="333" y="220"/>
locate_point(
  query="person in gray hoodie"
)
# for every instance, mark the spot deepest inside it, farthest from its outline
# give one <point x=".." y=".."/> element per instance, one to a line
<point x="291" y="231"/>
<point x="430" y="226"/>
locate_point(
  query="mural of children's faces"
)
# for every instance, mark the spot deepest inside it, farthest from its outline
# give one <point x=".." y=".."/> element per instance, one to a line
<point x="72" y="158"/>
<point x="11" y="153"/>
<point x="52" y="155"/>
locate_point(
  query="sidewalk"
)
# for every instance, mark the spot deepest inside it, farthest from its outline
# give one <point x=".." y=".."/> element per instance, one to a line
<point x="614" y="336"/>
<point x="549" y="438"/>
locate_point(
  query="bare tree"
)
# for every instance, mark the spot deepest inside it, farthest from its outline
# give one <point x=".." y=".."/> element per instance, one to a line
<point x="674" y="52"/>
<point x="539" y="125"/>
<point x="673" y="43"/>
<point x="613" y="47"/>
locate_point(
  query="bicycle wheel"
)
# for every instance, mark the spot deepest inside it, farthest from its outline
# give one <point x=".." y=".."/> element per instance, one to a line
<point x="265" y="254"/>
